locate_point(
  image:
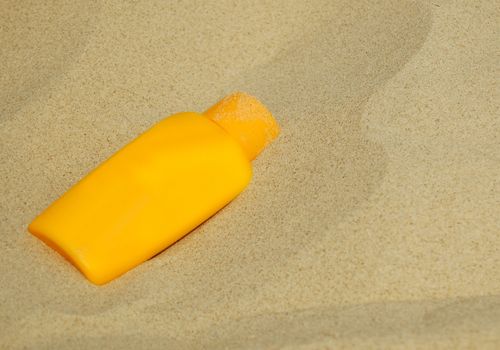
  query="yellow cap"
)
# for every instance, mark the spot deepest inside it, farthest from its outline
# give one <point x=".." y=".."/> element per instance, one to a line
<point x="246" y="119"/>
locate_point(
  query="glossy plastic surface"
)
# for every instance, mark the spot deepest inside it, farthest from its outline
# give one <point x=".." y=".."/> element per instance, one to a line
<point x="146" y="196"/>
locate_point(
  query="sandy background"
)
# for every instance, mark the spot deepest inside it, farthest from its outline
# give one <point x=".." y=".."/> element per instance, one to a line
<point x="373" y="221"/>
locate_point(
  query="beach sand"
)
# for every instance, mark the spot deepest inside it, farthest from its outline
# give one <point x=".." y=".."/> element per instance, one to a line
<point x="372" y="222"/>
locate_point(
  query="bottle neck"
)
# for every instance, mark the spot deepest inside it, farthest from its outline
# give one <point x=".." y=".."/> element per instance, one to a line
<point x="247" y="120"/>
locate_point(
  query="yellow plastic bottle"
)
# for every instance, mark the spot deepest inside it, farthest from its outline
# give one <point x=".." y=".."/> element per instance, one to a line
<point x="157" y="188"/>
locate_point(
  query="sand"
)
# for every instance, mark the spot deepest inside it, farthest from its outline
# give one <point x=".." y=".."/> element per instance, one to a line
<point x="372" y="222"/>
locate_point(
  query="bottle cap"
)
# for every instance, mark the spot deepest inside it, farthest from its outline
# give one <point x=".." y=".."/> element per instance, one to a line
<point x="247" y="120"/>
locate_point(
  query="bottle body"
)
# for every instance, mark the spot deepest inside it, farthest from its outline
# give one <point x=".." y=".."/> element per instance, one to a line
<point x="145" y="197"/>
